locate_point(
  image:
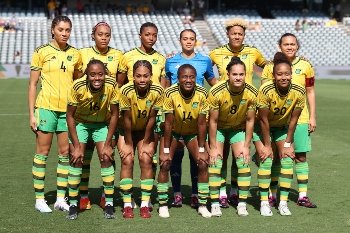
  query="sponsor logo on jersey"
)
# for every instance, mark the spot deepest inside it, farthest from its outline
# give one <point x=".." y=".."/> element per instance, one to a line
<point x="69" y="57"/>
<point x="53" y="58"/>
<point x="110" y="58"/>
<point x="244" y="56"/>
<point x="195" y="105"/>
<point x="179" y="106"/>
<point x="154" y="61"/>
<point x="226" y="57"/>
<point x="297" y="71"/>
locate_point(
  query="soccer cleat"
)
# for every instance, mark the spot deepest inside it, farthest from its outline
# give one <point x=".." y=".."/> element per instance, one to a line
<point x="242" y="209"/>
<point x="194" y="202"/>
<point x="133" y="204"/>
<point x="233" y="200"/>
<point x="40" y="205"/>
<point x="102" y="202"/>
<point x="150" y="206"/>
<point x="109" y="212"/>
<point x="284" y="210"/>
<point x="223" y="202"/>
<point x="216" y="210"/>
<point x="272" y="201"/>
<point x="164" y="212"/>
<point x="128" y="212"/>
<point x="305" y="201"/>
<point x="144" y="212"/>
<point x="177" y="201"/>
<point x="265" y="210"/>
<point x="202" y="210"/>
<point x="61" y="205"/>
<point x="84" y="203"/>
<point x="73" y="213"/>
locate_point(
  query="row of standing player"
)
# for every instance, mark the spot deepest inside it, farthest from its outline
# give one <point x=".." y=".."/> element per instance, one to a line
<point x="101" y="34"/>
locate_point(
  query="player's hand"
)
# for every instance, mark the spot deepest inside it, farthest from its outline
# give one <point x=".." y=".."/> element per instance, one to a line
<point x="266" y="152"/>
<point x="32" y="124"/>
<point x="147" y="149"/>
<point x="203" y="156"/>
<point x="214" y="154"/>
<point x="245" y="153"/>
<point x="126" y="151"/>
<point x="288" y="152"/>
<point x="76" y="155"/>
<point x="312" y="125"/>
<point x="164" y="157"/>
<point x="107" y="153"/>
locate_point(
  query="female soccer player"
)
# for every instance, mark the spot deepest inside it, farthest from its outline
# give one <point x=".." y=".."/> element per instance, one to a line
<point x="55" y="64"/>
<point x="92" y="105"/>
<point x="303" y="74"/>
<point x="280" y="103"/>
<point x="101" y="34"/>
<point x="204" y="69"/>
<point x="185" y="107"/>
<point x="140" y="101"/>
<point x="252" y="58"/>
<point x="231" y="117"/>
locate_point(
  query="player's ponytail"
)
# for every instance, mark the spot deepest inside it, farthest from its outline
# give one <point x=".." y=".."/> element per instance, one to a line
<point x="280" y="58"/>
<point x="235" y="61"/>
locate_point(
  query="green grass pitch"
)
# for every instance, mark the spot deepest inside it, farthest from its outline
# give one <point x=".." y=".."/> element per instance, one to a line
<point x="329" y="179"/>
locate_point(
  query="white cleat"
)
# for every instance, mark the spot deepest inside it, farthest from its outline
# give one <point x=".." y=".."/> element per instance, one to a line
<point x="242" y="209"/>
<point x="61" y="205"/>
<point x="202" y="210"/>
<point x="40" y="205"/>
<point x="284" y="210"/>
<point x="164" y="212"/>
<point x="265" y="210"/>
<point x="216" y="210"/>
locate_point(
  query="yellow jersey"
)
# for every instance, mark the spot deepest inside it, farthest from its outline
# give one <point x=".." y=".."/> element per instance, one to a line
<point x="56" y="68"/>
<point x="156" y="59"/>
<point x="186" y="110"/>
<point x="140" y="107"/>
<point x="303" y="74"/>
<point x="232" y="107"/>
<point x="93" y="106"/>
<point x="280" y="106"/>
<point x="250" y="55"/>
<point x="110" y="58"/>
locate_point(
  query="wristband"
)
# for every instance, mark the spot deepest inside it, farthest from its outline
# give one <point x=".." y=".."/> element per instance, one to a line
<point x="286" y="144"/>
<point x="201" y="149"/>
<point x="166" y="150"/>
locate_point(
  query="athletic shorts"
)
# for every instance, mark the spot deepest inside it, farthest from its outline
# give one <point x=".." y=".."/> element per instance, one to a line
<point x="302" y="139"/>
<point x="50" y="121"/>
<point x="233" y="136"/>
<point x="157" y="129"/>
<point x="185" y="138"/>
<point x="96" y="132"/>
<point x="276" y="134"/>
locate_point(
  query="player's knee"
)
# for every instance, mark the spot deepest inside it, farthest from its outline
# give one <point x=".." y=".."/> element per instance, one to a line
<point x="106" y="163"/>
<point x="202" y="166"/>
<point x="128" y="162"/>
<point x="300" y="157"/>
<point x="165" y="166"/>
<point x="145" y="162"/>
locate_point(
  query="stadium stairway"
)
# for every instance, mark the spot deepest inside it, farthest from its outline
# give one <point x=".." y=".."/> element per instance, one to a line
<point x="204" y="30"/>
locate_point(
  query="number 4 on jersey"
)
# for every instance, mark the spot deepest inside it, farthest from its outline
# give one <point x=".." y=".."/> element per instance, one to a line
<point x="63" y="67"/>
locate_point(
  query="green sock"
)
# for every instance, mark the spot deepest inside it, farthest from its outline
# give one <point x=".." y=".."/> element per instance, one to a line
<point x="302" y="172"/>
<point x="215" y="181"/>
<point x="62" y="175"/>
<point x="275" y="174"/>
<point x="126" y="189"/>
<point x="162" y="189"/>
<point x="223" y="180"/>
<point x="73" y="182"/>
<point x="286" y="178"/>
<point x="38" y="171"/>
<point x="234" y="176"/>
<point x="264" y="178"/>
<point x="203" y="193"/>
<point x="108" y="183"/>
<point x="243" y="181"/>
<point x="146" y="189"/>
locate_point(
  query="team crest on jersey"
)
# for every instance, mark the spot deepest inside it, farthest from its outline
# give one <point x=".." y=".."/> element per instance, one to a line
<point x="110" y="58"/>
<point x="243" y="101"/>
<point x="244" y="56"/>
<point x="69" y="57"/>
<point x="195" y="105"/>
<point x="297" y="71"/>
<point x="289" y="102"/>
<point x="154" y="61"/>
<point x="148" y="103"/>
<point x="102" y="97"/>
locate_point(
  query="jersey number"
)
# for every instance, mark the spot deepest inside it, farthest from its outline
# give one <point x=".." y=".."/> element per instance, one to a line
<point x="94" y="106"/>
<point x="142" y="114"/>
<point x="63" y="67"/>
<point x="233" y="109"/>
<point x="188" y="117"/>
<point x="278" y="111"/>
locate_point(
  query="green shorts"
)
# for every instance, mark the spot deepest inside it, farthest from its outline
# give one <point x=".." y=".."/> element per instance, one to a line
<point x="257" y="136"/>
<point x="50" y="121"/>
<point x="185" y="138"/>
<point x="276" y="134"/>
<point x="96" y="132"/>
<point x="159" y="120"/>
<point x="302" y="139"/>
<point x="233" y="136"/>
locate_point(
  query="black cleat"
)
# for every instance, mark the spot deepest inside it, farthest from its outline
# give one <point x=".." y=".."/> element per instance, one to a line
<point x="109" y="212"/>
<point x="73" y="213"/>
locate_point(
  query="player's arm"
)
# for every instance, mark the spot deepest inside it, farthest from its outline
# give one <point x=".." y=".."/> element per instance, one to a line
<point x="213" y="126"/>
<point x="107" y="148"/>
<point x="310" y="93"/>
<point x="33" y="83"/>
<point x="168" y="126"/>
<point x="128" y="148"/>
<point x="76" y="154"/>
<point x="288" y="150"/>
<point x="202" y="130"/>
<point x="165" y="82"/>
<point x="249" y="128"/>
<point x="147" y="147"/>
<point x="265" y="131"/>
<point x="121" y="79"/>
<point x="212" y="81"/>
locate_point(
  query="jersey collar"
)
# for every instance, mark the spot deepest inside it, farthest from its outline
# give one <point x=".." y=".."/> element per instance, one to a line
<point x="98" y="52"/>
<point x="144" y="53"/>
<point x="137" y="93"/>
<point x="280" y="94"/>
<point x="240" y="50"/>
<point x="295" y="61"/>
<point x="186" y="98"/>
<point x="58" y="49"/>
<point x="234" y="93"/>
